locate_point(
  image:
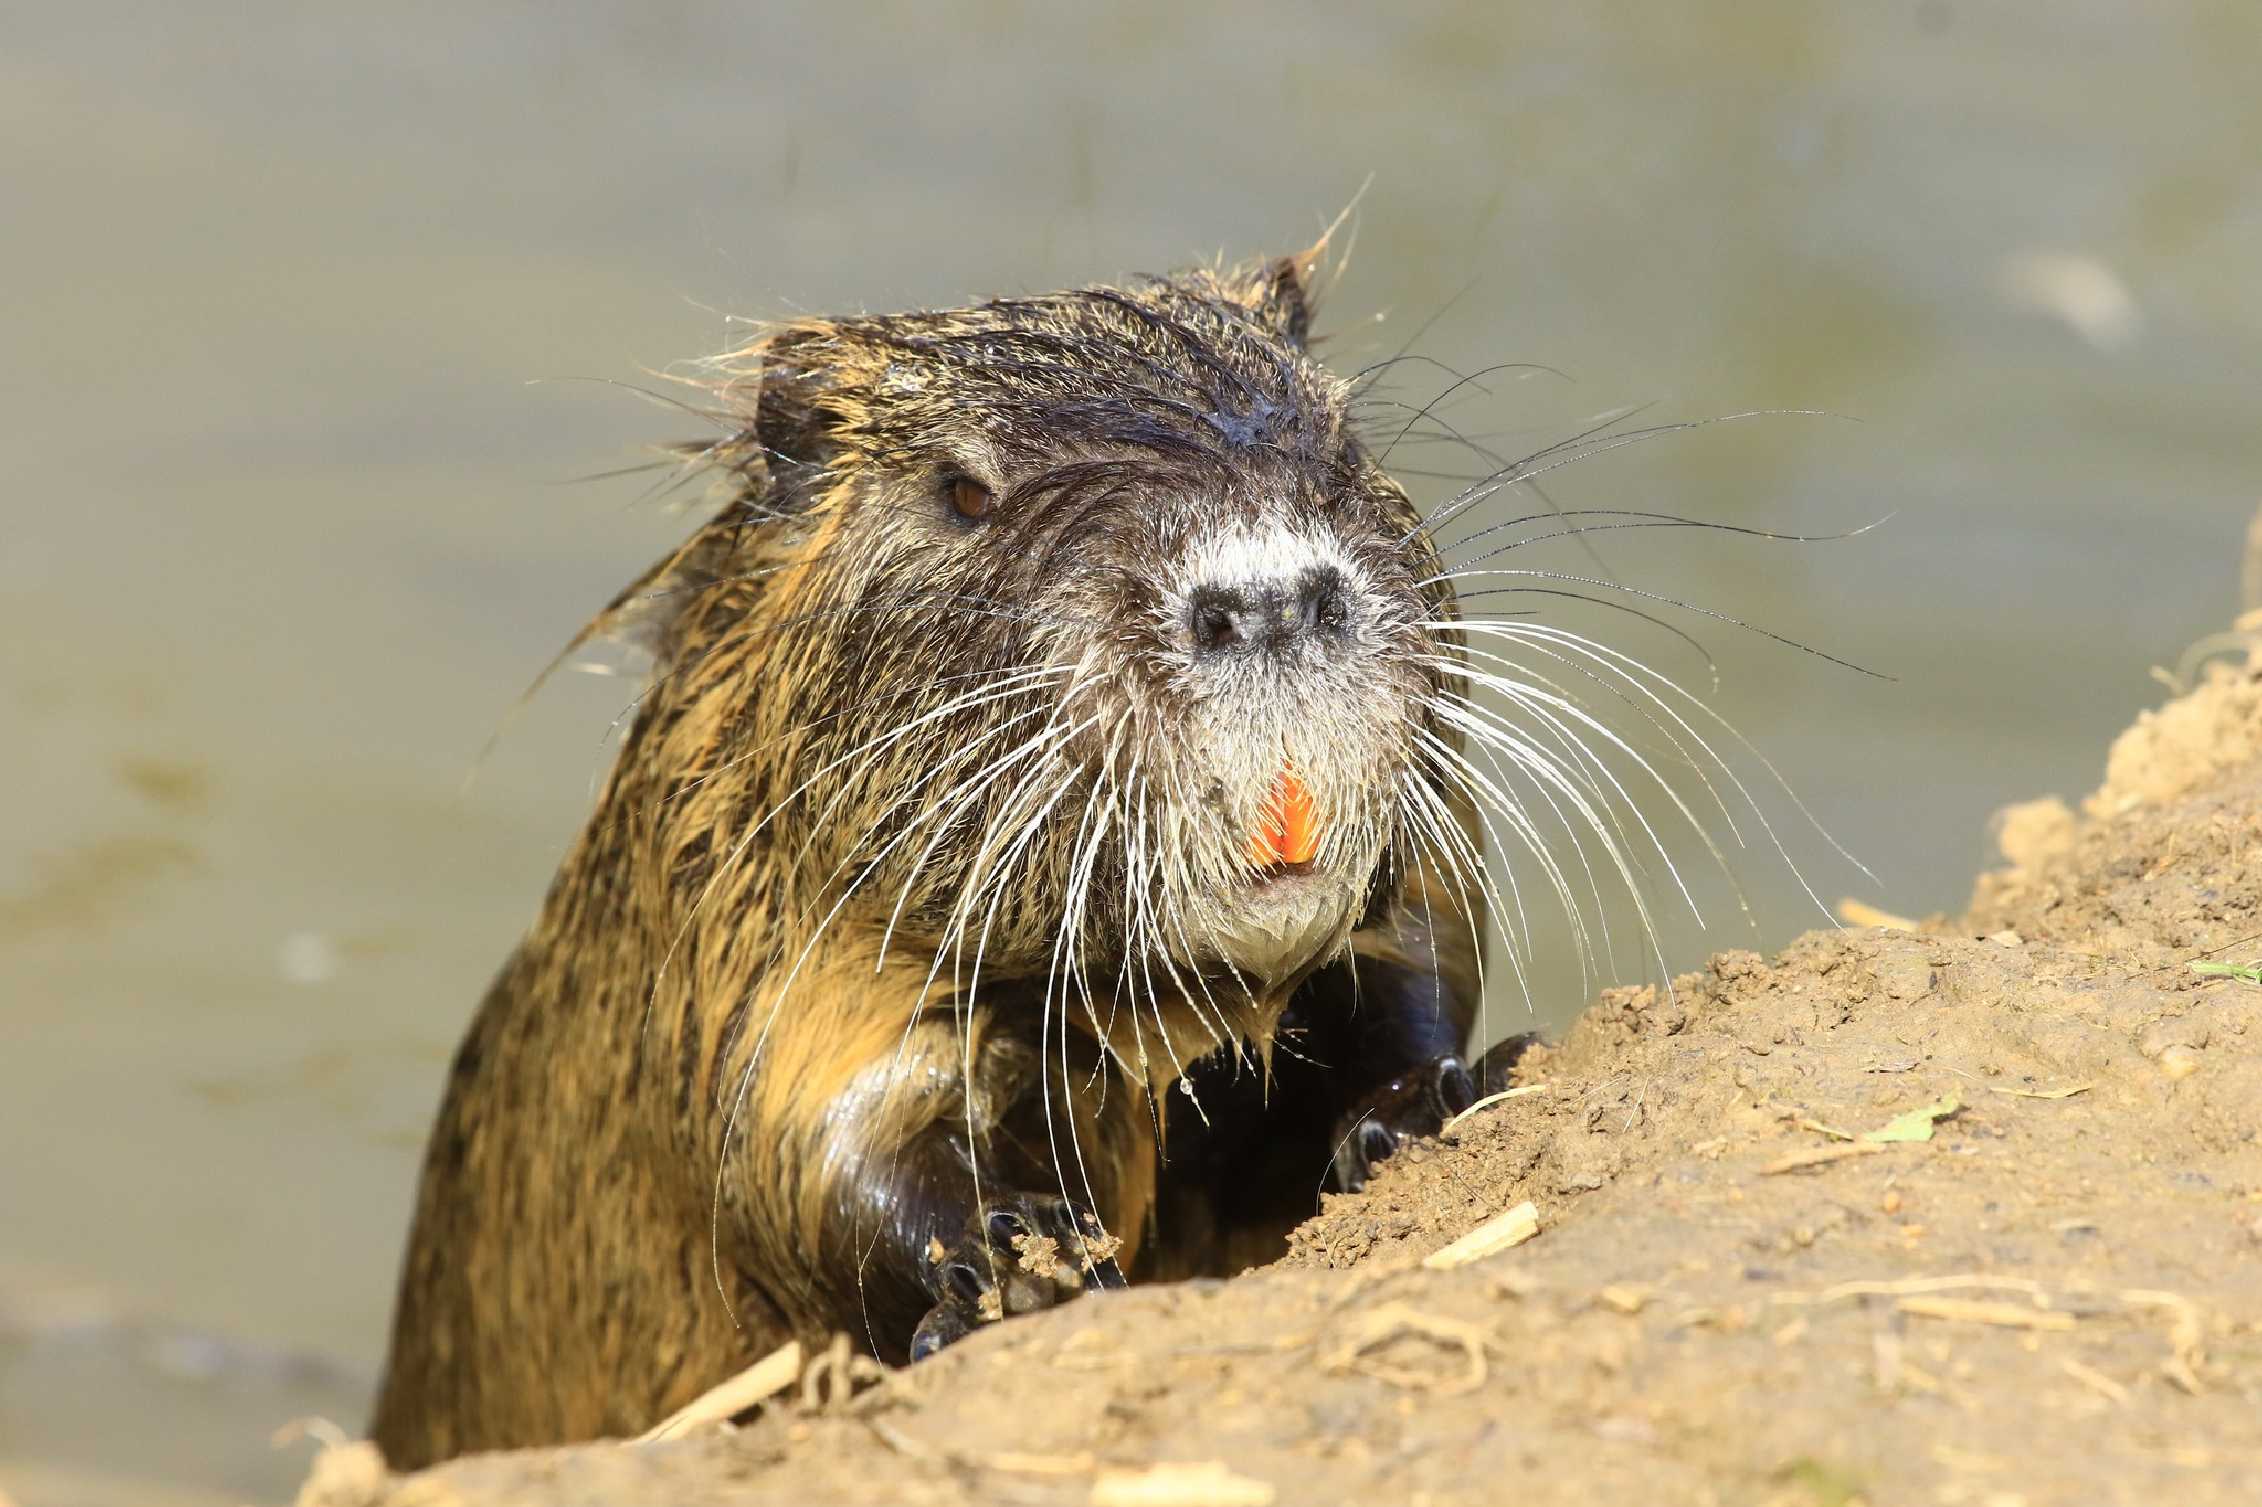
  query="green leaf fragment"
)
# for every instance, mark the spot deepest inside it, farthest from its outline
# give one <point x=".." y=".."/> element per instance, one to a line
<point x="1916" y="1125"/>
<point x="1826" y="1484"/>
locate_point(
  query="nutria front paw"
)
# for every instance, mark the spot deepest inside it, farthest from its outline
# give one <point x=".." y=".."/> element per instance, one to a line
<point x="1407" y="1107"/>
<point x="1416" y="1104"/>
<point x="1027" y="1251"/>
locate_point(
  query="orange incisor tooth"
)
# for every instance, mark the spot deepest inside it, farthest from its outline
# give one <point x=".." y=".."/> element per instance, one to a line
<point x="1288" y="829"/>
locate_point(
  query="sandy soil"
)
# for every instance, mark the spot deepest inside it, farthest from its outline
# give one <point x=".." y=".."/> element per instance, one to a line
<point x="1735" y="1296"/>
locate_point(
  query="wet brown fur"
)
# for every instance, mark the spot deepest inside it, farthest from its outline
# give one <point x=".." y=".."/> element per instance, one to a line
<point x="647" y="1168"/>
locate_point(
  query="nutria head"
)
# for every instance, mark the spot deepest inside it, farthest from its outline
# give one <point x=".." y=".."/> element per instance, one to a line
<point x="1067" y="635"/>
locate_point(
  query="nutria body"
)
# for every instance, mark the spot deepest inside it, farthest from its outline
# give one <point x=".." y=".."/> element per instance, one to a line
<point x="1049" y="717"/>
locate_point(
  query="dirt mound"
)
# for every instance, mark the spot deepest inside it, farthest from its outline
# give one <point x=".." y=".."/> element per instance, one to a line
<point x="1965" y="1215"/>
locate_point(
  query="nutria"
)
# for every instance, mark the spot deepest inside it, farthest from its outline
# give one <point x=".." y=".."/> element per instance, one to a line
<point x="1055" y="711"/>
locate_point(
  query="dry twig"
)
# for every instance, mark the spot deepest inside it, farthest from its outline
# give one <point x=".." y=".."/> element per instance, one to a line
<point x="1496" y="1234"/>
<point x="1491" y="1099"/>
<point x="1181" y="1483"/>
<point x="1823" y="1156"/>
<point x="767" y="1377"/>
<point x="1979" y="1311"/>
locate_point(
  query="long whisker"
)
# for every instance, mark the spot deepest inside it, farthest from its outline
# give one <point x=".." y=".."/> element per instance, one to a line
<point x="1651" y="596"/>
<point x="1585" y="445"/>
<point x="1630" y="518"/>
<point x="1472" y="379"/>
<point x="745" y="842"/>
<point x="1660" y="690"/>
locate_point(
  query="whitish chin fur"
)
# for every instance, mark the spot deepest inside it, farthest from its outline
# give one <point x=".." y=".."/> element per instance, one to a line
<point x="1279" y="926"/>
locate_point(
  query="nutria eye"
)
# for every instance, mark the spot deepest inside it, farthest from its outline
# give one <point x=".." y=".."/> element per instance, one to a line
<point x="971" y="500"/>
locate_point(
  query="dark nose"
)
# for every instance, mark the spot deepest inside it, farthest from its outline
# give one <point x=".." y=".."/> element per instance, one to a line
<point x="1274" y="614"/>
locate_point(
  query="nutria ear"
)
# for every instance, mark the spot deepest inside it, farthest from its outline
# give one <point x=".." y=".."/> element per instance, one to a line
<point x="796" y="402"/>
<point x="1278" y="292"/>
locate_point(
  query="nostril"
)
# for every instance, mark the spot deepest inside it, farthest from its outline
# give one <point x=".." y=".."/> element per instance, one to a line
<point x="1218" y="618"/>
<point x="1320" y="601"/>
<point x="1272" y="614"/>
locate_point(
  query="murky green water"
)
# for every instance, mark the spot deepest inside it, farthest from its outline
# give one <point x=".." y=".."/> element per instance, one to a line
<point x="285" y="532"/>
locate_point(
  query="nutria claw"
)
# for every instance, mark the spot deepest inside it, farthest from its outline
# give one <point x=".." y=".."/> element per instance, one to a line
<point x="1417" y="1103"/>
<point x="1027" y="1252"/>
<point x="1413" y="1104"/>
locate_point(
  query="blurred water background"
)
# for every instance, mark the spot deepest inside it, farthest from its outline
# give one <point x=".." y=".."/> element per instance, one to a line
<point x="287" y="528"/>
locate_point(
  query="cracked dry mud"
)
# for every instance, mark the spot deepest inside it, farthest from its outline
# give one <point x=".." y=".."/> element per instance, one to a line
<point x="1734" y="1296"/>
